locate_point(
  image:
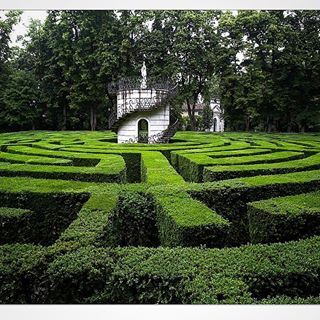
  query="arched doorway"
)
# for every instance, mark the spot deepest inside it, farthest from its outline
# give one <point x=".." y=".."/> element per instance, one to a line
<point x="214" y="124"/>
<point x="143" y="131"/>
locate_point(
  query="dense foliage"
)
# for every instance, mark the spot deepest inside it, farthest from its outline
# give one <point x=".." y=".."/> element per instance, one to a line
<point x="264" y="66"/>
<point x="132" y="222"/>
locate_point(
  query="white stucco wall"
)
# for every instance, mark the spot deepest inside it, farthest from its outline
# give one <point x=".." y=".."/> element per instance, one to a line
<point x="218" y="115"/>
<point x="158" y="120"/>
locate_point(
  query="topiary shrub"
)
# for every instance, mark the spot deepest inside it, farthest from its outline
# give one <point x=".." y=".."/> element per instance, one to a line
<point x="132" y="222"/>
<point x="14" y="224"/>
<point x="84" y="273"/>
<point x="47" y="215"/>
<point x="22" y="267"/>
<point x="133" y="166"/>
<point x="285" y="218"/>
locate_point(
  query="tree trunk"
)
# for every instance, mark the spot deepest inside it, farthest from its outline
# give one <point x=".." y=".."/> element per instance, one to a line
<point x="302" y="128"/>
<point x="247" y="122"/>
<point x="191" y="115"/>
<point x="93" y="118"/>
<point x="269" y="124"/>
<point x="64" y="123"/>
<point x="289" y="122"/>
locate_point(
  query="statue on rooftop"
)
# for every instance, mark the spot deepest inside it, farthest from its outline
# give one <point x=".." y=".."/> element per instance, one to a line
<point x="144" y="75"/>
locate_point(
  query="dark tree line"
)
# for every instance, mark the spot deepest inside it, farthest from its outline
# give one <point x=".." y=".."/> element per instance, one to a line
<point x="264" y="66"/>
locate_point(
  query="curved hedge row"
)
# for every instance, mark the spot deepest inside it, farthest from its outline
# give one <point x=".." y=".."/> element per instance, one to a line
<point x="284" y="218"/>
<point x="128" y="224"/>
<point x="235" y="171"/>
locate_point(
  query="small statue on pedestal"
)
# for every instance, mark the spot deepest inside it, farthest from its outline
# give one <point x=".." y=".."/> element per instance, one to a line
<point x="144" y="76"/>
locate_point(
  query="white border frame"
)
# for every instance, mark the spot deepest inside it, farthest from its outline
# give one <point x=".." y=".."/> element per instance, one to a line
<point x="162" y="4"/>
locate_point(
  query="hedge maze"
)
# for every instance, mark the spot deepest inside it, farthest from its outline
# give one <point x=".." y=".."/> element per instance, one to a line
<point x="207" y="218"/>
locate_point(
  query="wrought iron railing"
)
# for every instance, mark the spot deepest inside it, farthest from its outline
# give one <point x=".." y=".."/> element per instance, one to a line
<point x="162" y="91"/>
<point x="141" y="104"/>
<point x="112" y="119"/>
<point x="131" y="105"/>
<point x="134" y="83"/>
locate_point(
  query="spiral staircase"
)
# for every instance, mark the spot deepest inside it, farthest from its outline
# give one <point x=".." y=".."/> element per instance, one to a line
<point x="162" y="98"/>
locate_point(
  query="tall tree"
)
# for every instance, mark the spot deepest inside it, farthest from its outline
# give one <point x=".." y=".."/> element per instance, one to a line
<point x="264" y="65"/>
<point x="207" y="117"/>
<point x="61" y="35"/>
<point x="7" y="22"/>
<point x="194" y="46"/>
<point x="270" y="87"/>
<point x="94" y="60"/>
<point x="21" y="99"/>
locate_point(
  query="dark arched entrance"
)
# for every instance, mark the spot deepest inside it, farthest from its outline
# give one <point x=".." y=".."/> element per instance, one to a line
<point x="214" y="124"/>
<point x="143" y="130"/>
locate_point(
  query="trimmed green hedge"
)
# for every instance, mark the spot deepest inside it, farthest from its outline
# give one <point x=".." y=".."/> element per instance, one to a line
<point x="92" y="219"/>
<point x="133" y="166"/>
<point x="156" y="169"/>
<point x="275" y="156"/>
<point x="139" y="219"/>
<point x="88" y="167"/>
<point x="191" y="166"/>
<point x="14" y="224"/>
<point x="34" y="151"/>
<point x="132" y="222"/>
<point x="229" y="198"/>
<point x="249" y="274"/>
<point x="286" y="218"/>
<point x="163" y="212"/>
<point x="21" y="270"/>
<point x="235" y="171"/>
<point x="206" y="148"/>
<point x="107" y="170"/>
<point x="183" y="221"/>
<point x="20" y="158"/>
<point x="45" y="218"/>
